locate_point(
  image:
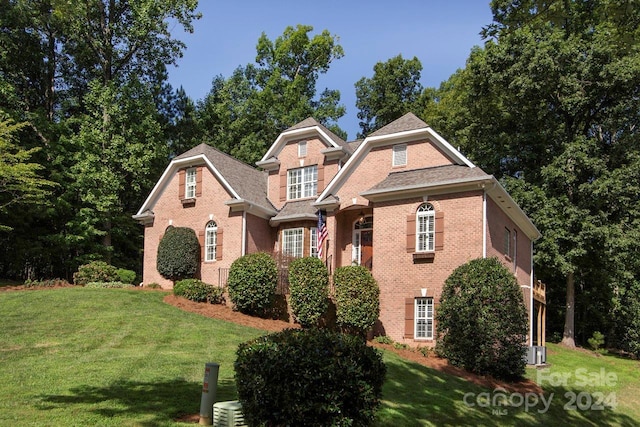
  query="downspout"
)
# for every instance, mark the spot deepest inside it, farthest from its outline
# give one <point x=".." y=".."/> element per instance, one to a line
<point x="484" y="223"/>
<point x="244" y="233"/>
<point x="531" y="298"/>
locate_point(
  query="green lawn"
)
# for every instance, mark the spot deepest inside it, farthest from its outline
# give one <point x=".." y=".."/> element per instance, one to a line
<point x="78" y="356"/>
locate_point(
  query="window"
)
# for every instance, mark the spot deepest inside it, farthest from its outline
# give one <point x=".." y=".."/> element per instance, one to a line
<point x="507" y="242"/>
<point x="302" y="182"/>
<point x="400" y="155"/>
<point x="211" y="240"/>
<point x="313" y="241"/>
<point x="362" y="236"/>
<point x="190" y="184"/>
<point x="425" y="228"/>
<point x="424" y="318"/>
<point x="302" y="148"/>
<point x="292" y="242"/>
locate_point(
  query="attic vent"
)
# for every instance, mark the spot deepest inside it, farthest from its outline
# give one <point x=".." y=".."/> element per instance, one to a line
<point x="228" y="414"/>
<point x="400" y="155"/>
<point x="302" y="148"/>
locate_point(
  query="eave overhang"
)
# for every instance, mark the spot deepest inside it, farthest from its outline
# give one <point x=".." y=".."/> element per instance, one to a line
<point x="241" y="205"/>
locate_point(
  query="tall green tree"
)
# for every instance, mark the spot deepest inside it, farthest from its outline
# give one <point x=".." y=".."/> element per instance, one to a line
<point x="21" y="185"/>
<point x="393" y="91"/>
<point x="551" y="104"/>
<point x="244" y="113"/>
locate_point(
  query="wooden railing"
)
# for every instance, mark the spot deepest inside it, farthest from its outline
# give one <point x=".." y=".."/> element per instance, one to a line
<point x="539" y="291"/>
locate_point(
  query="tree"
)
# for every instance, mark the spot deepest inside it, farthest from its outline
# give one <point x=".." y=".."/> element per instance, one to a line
<point x="243" y="114"/>
<point x="551" y="104"/>
<point x="21" y="186"/>
<point x="482" y="320"/>
<point x="393" y="91"/>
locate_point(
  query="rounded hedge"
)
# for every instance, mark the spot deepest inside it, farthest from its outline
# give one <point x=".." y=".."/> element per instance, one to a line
<point x="178" y="254"/>
<point x="482" y="320"/>
<point x="357" y="299"/>
<point x="309" y="290"/>
<point x="312" y="377"/>
<point x="95" y="271"/>
<point x="198" y="291"/>
<point x="252" y="283"/>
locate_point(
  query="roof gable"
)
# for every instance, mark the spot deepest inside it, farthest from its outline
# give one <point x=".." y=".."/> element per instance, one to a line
<point x="307" y="128"/>
<point x="240" y="180"/>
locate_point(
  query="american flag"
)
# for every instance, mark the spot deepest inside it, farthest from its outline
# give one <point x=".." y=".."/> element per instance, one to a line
<point x="322" y="233"/>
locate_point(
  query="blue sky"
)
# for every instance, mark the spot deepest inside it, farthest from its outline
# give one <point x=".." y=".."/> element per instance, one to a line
<point x="439" y="33"/>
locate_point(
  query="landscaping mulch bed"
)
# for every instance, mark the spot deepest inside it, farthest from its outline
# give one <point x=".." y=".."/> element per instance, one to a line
<point x="224" y="312"/>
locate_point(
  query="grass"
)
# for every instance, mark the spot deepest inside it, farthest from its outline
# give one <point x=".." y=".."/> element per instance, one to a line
<point x="114" y="357"/>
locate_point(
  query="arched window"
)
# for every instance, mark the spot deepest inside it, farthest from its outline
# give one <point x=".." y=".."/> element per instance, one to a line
<point x="211" y="240"/>
<point x="425" y="228"/>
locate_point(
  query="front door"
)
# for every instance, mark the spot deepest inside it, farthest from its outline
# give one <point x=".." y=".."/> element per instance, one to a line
<point x="363" y="242"/>
<point x="366" y="240"/>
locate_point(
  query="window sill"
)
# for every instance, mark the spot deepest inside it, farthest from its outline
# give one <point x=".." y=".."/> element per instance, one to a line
<point x="188" y="202"/>
<point x="423" y="257"/>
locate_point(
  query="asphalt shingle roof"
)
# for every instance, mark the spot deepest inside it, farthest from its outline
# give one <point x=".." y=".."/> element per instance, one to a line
<point x="249" y="182"/>
<point x="407" y="122"/>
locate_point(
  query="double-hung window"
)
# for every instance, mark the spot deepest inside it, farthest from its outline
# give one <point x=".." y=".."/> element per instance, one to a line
<point x="424" y="318"/>
<point x="302" y="182"/>
<point x="313" y="241"/>
<point x="211" y="240"/>
<point x="190" y="184"/>
<point x="292" y="242"/>
<point x="425" y="228"/>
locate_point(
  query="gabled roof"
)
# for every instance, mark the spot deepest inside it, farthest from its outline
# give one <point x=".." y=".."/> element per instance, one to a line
<point x="306" y="128"/>
<point x="243" y="182"/>
<point x="405" y="129"/>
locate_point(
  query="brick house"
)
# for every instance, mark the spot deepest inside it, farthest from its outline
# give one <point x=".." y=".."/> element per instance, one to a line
<point x="402" y="202"/>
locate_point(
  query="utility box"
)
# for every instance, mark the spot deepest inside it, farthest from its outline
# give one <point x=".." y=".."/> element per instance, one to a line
<point x="228" y="414"/>
<point x="536" y="355"/>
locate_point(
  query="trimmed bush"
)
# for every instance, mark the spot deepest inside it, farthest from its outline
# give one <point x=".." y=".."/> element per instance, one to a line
<point x="198" y="291"/>
<point x="108" y="285"/>
<point x="126" y="276"/>
<point x="311" y="377"/>
<point x="252" y="283"/>
<point x="95" y="271"/>
<point x="178" y="254"/>
<point x="357" y="299"/>
<point x="482" y="320"/>
<point x="309" y="290"/>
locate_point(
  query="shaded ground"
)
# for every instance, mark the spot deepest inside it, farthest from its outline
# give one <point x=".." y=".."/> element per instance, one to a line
<point x="224" y="312"/>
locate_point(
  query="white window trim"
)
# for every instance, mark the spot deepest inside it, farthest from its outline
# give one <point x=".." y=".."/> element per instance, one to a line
<point x="305" y="184"/>
<point x="426" y="210"/>
<point x="210" y="241"/>
<point x="427" y="318"/>
<point x="190" y="183"/>
<point x="291" y="233"/>
<point x="399" y="157"/>
<point x="507" y="242"/>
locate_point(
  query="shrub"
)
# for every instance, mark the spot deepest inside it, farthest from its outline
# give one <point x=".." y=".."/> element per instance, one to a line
<point x="383" y="339"/>
<point x="46" y="283"/>
<point x="126" y="276"/>
<point x="178" y="254"/>
<point x="482" y="320"/>
<point x="95" y="271"/>
<point x="198" y="291"/>
<point x="252" y="283"/>
<point x="357" y="299"/>
<point x="309" y="290"/>
<point x="153" y="285"/>
<point x="332" y="379"/>
<point x="108" y="285"/>
<point x="596" y="341"/>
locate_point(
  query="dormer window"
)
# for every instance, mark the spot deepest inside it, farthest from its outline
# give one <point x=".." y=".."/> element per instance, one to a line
<point x="302" y="182"/>
<point x="399" y="155"/>
<point x="302" y="149"/>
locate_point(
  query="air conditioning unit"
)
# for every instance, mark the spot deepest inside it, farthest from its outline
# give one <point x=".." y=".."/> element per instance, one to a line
<point x="228" y="414"/>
